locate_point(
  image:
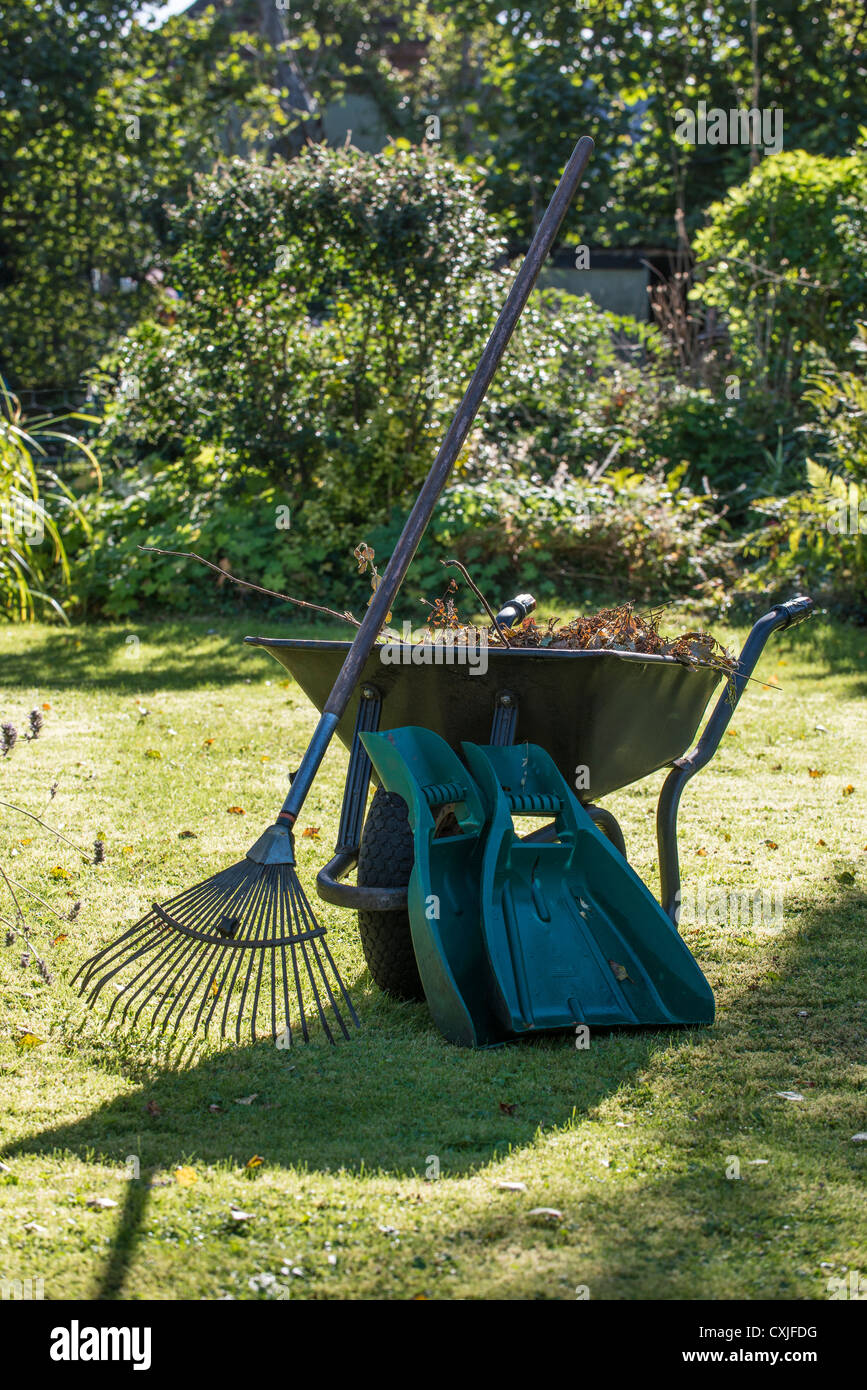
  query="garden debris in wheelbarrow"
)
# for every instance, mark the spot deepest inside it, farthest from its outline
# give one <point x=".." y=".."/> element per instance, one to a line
<point x="611" y="629"/>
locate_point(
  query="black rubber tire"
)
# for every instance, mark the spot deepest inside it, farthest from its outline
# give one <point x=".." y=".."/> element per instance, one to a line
<point x="385" y="859"/>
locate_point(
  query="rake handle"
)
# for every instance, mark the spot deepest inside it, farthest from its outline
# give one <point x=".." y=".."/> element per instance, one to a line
<point x="422" y="511"/>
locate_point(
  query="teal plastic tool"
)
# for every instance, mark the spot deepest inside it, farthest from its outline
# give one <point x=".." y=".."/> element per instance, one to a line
<point x="515" y="936"/>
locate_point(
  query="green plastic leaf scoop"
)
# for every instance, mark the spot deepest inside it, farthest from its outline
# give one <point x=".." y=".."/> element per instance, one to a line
<point x="515" y="936"/>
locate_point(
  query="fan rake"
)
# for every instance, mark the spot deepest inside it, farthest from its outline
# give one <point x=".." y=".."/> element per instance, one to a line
<point x="249" y="932"/>
<point x="241" y="944"/>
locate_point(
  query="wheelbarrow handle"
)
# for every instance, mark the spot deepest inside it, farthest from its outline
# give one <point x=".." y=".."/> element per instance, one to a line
<point x="783" y="616"/>
<point x="420" y="515"/>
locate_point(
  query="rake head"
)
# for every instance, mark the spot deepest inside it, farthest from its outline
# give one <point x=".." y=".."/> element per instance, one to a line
<point x="236" y="947"/>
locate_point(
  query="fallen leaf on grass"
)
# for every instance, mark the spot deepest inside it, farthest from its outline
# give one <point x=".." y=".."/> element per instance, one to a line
<point x="46" y="706"/>
<point x="208" y="741"/>
<point x="772" y="844"/>
<point x="236" y="811"/>
<point x="152" y="1108"/>
<point x="548" y="1213"/>
<point x="61" y="936"/>
<point x="253" y="1163"/>
<point x="101" y="1203"/>
<point x="816" y="771"/>
<point x="153" y="753"/>
<point x="508" y="1107"/>
<point x="702" y="853"/>
<point x="35" y="1228"/>
<point x="185" y="1177"/>
<point x="28" y="840"/>
<point x="848" y="790"/>
<point x="59" y="874"/>
<point x="247" y="1100"/>
<point x="187" y="835"/>
<point x="29" y="1040"/>
<point x="820" y="844"/>
<point x="310" y="832"/>
<point x="790" y="1095"/>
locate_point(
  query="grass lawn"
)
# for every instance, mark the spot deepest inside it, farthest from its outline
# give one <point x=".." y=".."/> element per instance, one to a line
<point x="153" y="730"/>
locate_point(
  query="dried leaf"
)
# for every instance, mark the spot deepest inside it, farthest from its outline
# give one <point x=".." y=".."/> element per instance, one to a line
<point x="236" y="811"/>
<point x="185" y="1177"/>
<point x="816" y="771"/>
<point x="187" y="835"/>
<point x="772" y="844"/>
<point x="152" y="1108"/>
<point x="253" y="1163"/>
<point x="153" y="753"/>
<point x="848" y="790"/>
<point x="61" y="936"/>
<point x="620" y="971"/>
<point x="508" y="1107"/>
<point x="59" y="874"/>
<point x="247" y="1100"/>
<point x="29" y="1040"/>
<point x="310" y="832"/>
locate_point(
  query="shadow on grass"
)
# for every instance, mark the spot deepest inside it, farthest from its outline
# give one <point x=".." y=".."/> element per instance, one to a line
<point x="397" y="1094"/>
<point x="193" y="654"/>
<point x="840" y="647"/>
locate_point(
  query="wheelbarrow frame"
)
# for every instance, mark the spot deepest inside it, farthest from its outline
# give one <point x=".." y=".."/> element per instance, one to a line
<point x="330" y="883"/>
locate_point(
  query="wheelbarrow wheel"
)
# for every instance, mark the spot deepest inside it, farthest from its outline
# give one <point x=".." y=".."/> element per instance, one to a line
<point x="385" y="859"/>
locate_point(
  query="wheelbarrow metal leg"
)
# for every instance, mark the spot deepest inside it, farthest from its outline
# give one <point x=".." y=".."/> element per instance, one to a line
<point x="783" y="616"/>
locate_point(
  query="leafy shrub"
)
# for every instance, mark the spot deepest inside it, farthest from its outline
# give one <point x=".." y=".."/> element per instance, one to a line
<point x="817" y="536"/>
<point x="782" y="264"/>
<point x="633" y="533"/>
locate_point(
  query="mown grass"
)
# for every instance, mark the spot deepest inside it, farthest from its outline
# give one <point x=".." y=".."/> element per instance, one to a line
<point x="631" y="1140"/>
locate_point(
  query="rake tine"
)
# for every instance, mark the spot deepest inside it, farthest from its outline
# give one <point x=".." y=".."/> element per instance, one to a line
<point x="259" y="892"/>
<point x="176" y="957"/>
<point x="184" y="993"/>
<point x="152" y="977"/>
<point x="114" y="949"/>
<point x="296" y="928"/>
<point x="155" y="936"/>
<point x="261" y="931"/>
<point x="254" y="890"/>
<point x="323" y="1020"/>
<point x="212" y="989"/>
<point x="324" y="944"/>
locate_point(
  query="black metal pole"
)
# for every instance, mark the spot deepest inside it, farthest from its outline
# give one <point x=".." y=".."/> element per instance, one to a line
<point x="422" y="511"/>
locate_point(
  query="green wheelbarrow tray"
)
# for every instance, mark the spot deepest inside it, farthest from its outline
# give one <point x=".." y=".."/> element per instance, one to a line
<point x="514" y="937"/>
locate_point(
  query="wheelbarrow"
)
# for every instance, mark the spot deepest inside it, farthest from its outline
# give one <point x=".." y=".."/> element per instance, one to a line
<point x="605" y="718"/>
